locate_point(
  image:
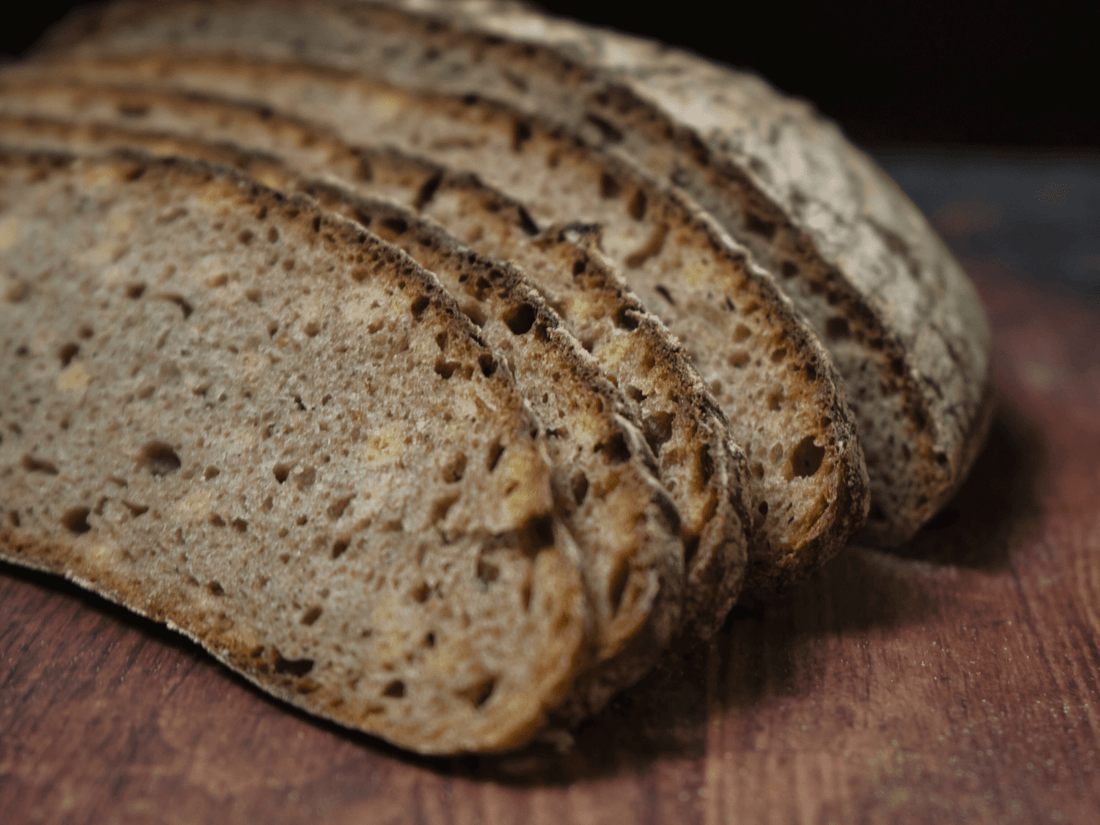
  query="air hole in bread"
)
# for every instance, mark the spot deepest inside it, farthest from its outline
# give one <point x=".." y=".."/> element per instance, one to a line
<point x="282" y="471"/>
<point x="478" y="693"/>
<point x="216" y="520"/>
<point x="292" y="667"/>
<point x="758" y="226"/>
<point x="312" y="328"/>
<point x="337" y="508"/>
<point x="444" y="368"/>
<point x="239" y="524"/>
<point x="617" y="584"/>
<point x="788" y="269"/>
<point x="579" y="266"/>
<point x="579" y="485"/>
<point x="626" y="318"/>
<point x="418" y="306"/>
<point x="775" y="398"/>
<point x="215" y="588"/>
<point x="311" y="616"/>
<point x="339" y="547"/>
<point x="635" y="394"/>
<point x="455" y="469"/>
<point x="134" y="291"/>
<point x="779" y="354"/>
<point x="763" y="508"/>
<point x="420" y="593"/>
<point x="427" y="191"/>
<point x="520" y="319"/>
<point x="38" y="465"/>
<point x="741" y="333"/>
<point x="135" y="509"/>
<point x="521" y="133"/>
<point x="488" y="364"/>
<point x="487" y="572"/>
<point x="272" y="234"/>
<point x="211" y="472"/>
<point x="527" y="223"/>
<point x="614" y="449"/>
<point x="662" y="290"/>
<point x="738" y="358"/>
<point x="394" y="690"/>
<point x="75" y="520"/>
<point x="609" y="186"/>
<point x="395" y="226"/>
<point x="180" y="301"/>
<point x="13" y="518"/>
<point x="158" y="458"/>
<point x="836" y="328"/>
<point x="443" y="506"/>
<point x="691" y="549"/>
<point x="806" y="458"/>
<point x="429" y="639"/>
<point x="637" y="206"/>
<point x="496" y="450"/>
<point x="67" y="353"/>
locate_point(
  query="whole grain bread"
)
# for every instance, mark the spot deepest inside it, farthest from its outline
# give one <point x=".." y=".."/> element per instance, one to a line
<point x="705" y="477"/>
<point x="704" y="472"/>
<point x="224" y="410"/>
<point x="903" y="323"/>
<point x="784" y="401"/>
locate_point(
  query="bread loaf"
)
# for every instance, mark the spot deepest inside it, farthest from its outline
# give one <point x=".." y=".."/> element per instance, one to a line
<point x="706" y="477"/>
<point x="784" y="401"/>
<point x="226" y="411"/>
<point x="902" y="322"/>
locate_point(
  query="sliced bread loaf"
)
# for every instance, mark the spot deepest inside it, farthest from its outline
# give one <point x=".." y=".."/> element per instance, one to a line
<point x="776" y="385"/>
<point x="225" y="410"/>
<point x="902" y="321"/>
<point x="707" y="479"/>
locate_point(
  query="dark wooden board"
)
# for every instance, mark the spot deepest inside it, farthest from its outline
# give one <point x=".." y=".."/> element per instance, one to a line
<point x="956" y="681"/>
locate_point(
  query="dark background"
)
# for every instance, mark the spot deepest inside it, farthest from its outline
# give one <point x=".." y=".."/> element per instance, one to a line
<point x="978" y="73"/>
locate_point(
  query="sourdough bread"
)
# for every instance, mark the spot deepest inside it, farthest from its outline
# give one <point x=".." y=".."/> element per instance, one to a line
<point x="777" y="386"/>
<point x="704" y="472"/>
<point x="225" y="411"/>
<point x="903" y="323"/>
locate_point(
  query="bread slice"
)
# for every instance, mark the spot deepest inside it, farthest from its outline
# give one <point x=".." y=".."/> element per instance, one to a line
<point x="225" y="410"/>
<point x="900" y="318"/>
<point x="809" y="484"/>
<point x="707" y="479"/>
<point x="608" y="497"/>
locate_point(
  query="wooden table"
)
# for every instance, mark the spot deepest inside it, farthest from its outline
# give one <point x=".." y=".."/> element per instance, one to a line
<point x="958" y="681"/>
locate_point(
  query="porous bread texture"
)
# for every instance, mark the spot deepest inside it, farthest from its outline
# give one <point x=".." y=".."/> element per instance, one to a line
<point x="225" y="410"/>
<point x="809" y="483"/>
<point x="705" y="473"/>
<point x="901" y="319"/>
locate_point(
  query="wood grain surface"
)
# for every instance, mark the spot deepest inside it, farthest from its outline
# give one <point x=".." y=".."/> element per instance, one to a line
<point x="956" y="681"/>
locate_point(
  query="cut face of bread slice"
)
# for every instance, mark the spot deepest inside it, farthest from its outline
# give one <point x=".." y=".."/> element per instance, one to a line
<point x="224" y="409"/>
<point x="704" y="471"/>
<point x="901" y="320"/>
<point x="775" y="383"/>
